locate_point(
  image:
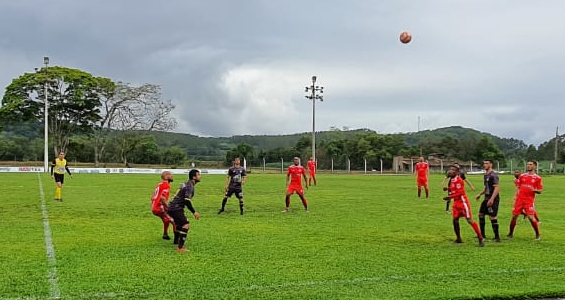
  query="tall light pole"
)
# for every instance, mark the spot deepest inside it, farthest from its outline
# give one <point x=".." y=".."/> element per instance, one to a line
<point x="312" y="96"/>
<point x="46" y="126"/>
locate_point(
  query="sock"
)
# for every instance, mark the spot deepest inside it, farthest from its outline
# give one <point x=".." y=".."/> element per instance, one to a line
<point x="166" y="223"/>
<point x="57" y="193"/>
<point x="482" y="222"/>
<point x="224" y="201"/>
<point x="182" y="237"/>
<point x="494" y="223"/>
<point x="447" y="205"/>
<point x="512" y="225"/>
<point x="476" y="229"/>
<point x="304" y="202"/>
<point x="287" y="201"/>
<point x="427" y="192"/>
<point x="457" y="229"/>
<point x="419" y="192"/>
<point x="241" y="206"/>
<point x="535" y="225"/>
<point x="176" y="238"/>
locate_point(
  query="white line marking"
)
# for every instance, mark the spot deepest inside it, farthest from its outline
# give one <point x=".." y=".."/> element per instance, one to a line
<point x="50" y="250"/>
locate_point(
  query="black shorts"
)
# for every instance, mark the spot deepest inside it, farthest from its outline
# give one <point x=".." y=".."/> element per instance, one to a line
<point x="238" y="193"/>
<point x="179" y="217"/>
<point x="59" y="178"/>
<point x="490" y="211"/>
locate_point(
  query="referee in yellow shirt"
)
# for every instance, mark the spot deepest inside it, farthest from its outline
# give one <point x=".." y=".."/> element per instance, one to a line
<point x="58" y="168"/>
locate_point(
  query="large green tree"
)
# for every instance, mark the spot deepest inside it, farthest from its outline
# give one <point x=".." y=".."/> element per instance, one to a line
<point x="72" y="97"/>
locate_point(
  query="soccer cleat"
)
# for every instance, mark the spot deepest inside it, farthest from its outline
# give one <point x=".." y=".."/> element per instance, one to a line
<point x="496" y="240"/>
<point x="538" y="237"/>
<point x="241" y="212"/>
<point x="307" y="211"/>
<point x="220" y="211"/>
<point x="286" y="210"/>
<point x="458" y="241"/>
<point x="510" y="236"/>
<point x="482" y="242"/>
<point x="166" y="237"/>
<point x="181" y="249"/>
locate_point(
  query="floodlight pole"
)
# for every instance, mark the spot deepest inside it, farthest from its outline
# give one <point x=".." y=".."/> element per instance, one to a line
<point x="46" y="120"/>
<point x="313" y="89"/>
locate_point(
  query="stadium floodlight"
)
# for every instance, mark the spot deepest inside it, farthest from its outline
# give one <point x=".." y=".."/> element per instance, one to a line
<point x="313" y="89"/>
<point x="46" y="125"/>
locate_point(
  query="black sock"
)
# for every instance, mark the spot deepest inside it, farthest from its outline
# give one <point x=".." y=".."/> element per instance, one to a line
<point x="241" y="206"/>
<point x="182" y="239"/>
<point x="176" y="238"/>
<point x="482" y="223"/>
<point x="447" y="205"/>
<point x="457" y="229"/>
<point x="224" y="203"/>
<point x="494" y="223"/>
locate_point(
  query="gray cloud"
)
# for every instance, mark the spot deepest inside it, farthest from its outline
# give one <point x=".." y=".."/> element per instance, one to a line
<point x="240" y="67"/>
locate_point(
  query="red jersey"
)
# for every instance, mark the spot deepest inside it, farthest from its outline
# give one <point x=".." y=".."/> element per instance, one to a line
<point x="422" y="170"/>
<point x="296" y="173"/>
<point x="163" y="189"/>
<point x="457" y="189"/>
<point x="517" y="182"/>
<point x="526" y="183"/>
<point x="312" y="166"/>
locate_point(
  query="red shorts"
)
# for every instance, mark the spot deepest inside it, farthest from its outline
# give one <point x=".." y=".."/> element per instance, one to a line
<point x="312" y="172"/>
<point x="524" y="206"/>
<point x="461" y="209"/>
<point x="422" y="182"/>
<point x="295" y="188"/>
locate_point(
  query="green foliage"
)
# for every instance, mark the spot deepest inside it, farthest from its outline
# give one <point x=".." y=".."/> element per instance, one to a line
<point x="350" y="246"/>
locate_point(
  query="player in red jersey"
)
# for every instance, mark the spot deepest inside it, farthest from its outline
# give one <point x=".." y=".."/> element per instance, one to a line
<point x="312" y="166"/>
<point x="517" y="174"/>
<point x="159" y="202"/>
<point x="461" y="206"/>
<point x="421" y="171"/>
<point x="529" y="184"/>
<point x="294" y="176"/>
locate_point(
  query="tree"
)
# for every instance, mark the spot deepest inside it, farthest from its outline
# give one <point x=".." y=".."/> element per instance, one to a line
<point x="72" y="98"/>
<point x="137" y="109"/>
<point x="242" y="150"/>
<point x="173" y="156"/>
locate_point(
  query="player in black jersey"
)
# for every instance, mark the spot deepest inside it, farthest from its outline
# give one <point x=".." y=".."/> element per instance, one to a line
<point x="234" y="185"/>
<point x="183" y="198"/>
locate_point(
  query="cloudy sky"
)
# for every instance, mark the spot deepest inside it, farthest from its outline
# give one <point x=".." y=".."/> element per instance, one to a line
<point x="235" y="67"/>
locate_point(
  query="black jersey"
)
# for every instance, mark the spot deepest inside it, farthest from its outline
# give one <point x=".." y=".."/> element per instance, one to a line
<point x="182" y="197"/>
<point x="490" y="181"/>
<point x="236" y="175"/>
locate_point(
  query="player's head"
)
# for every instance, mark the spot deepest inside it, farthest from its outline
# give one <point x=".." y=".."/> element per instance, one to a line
<point x="237" y="161"/>
<point x="531" y="165"/>
<point x="453" y="171"/>
<point x="61" y="154"/>
<point x="194" y="175"/>
<point x="296" y="161"/>
<point x="517" y="173"/>
<point x="167" y="175"/>
<point x="311" y="158"/>
<point x="421" y="159"/>
<point x="487" y="164"/>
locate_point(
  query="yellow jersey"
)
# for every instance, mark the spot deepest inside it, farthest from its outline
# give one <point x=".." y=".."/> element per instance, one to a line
<point x="59" y="165"/>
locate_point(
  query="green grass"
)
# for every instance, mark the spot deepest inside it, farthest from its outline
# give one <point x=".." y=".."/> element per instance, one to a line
<point x="366" y="237"/>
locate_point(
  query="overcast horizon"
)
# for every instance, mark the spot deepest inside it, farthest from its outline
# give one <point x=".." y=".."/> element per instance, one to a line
<point x="240" y="67"/>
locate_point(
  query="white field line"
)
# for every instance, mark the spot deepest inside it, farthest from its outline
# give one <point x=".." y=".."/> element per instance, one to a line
<point x="50" y="250"/>
<point x="110" y="295"/>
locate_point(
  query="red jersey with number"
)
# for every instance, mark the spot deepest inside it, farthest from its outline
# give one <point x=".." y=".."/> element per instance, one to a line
<point x="312" y="166"/>
<point x="296" y="173"/>
<point x="163" y="189"/>
<point x="527" y="182"/>
<point x="461" y="206"/>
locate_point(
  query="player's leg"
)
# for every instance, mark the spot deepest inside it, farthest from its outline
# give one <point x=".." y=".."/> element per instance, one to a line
<point x="419" y="190"/>
<point x="314" y="177"/>
<point x="289" y="192"/>
<point x="304" y="201"/>
<point x="516" y="211"/>
<point x="166" y="222"/>
<point x="239" y="196"/>
<point x="457" y="230"/>
<point x="531" y="216"/>
<point x="483" y="210"/>
<point x="225" y="200"/>
<point x="447" y="206"/>
<point x="477" y="231"/>
<point x="183" y="232"/>
<point x="427" y="190"/>
<point x="59" y="180"/>
<point x="493" y="216"/>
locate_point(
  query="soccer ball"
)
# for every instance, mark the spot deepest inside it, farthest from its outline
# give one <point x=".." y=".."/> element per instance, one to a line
<point x="405" y="37"/>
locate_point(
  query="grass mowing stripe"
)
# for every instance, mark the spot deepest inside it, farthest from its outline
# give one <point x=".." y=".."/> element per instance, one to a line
<point x="49" y="248"/>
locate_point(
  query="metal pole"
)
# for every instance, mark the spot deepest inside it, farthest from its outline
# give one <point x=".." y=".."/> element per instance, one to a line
<point x="46" y="119"/>
<point x="314" y="117"/>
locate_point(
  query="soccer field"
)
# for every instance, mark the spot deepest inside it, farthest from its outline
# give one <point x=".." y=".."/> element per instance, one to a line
<point x="366" y="237"/>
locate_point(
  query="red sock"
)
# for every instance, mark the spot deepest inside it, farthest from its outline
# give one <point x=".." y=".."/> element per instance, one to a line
<point x="477" y="230"/>
<point x="512" y="225"/>
<point x="287" y="201"/>
<point x="535" y="225"/>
